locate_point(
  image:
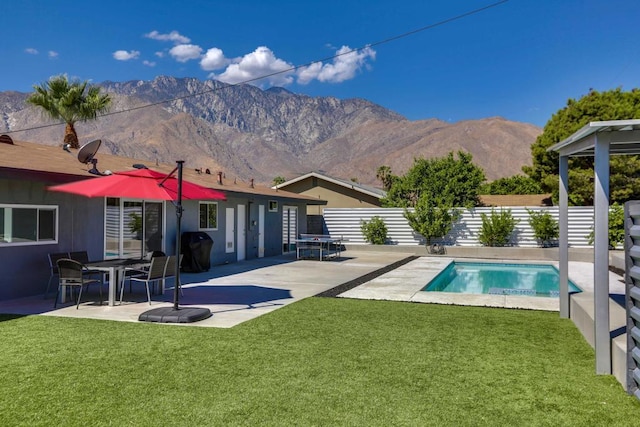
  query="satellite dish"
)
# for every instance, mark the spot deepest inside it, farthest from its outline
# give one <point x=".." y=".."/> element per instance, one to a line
<point x="88" y="150"/>
<point x="6" y="139"/>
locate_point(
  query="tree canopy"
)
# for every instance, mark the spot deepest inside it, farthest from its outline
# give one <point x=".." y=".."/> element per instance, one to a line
<point x="70" y="101"/>
<point x="595" y="106"/>
<point x="516" y="184"/>
<point x="446" y="181"/>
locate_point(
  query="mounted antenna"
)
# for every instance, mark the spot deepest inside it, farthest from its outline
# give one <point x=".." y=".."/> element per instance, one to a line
<point x="6" y="139"/>
<point x="88" y="150"/>
<point x="86" y="155"/>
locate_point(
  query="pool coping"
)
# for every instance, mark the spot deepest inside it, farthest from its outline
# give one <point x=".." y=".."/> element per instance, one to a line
<point x="406" y="282"/>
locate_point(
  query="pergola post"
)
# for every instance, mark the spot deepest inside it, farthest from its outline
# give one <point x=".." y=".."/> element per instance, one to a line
<point x="601" y="255"/>
<point x="563" y="249"/>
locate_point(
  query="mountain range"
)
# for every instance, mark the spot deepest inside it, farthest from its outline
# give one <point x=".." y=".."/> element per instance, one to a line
<point x="247" y="132"/>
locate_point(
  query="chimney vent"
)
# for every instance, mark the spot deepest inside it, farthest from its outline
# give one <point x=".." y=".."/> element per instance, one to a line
<point x="251" y="183"/>
<point x="6" y="139"/>
<point x="220" y="178"/>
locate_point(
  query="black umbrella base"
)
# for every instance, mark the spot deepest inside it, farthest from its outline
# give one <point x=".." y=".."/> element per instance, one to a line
<point x="171" y="315"/>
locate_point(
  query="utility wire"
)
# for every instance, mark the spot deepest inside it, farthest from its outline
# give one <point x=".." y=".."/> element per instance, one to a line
<point x="290" y="69"/>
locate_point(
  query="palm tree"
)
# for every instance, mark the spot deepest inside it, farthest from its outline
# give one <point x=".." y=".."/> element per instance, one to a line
<point x="70" y="101"/>
<point x="384" y="174"/>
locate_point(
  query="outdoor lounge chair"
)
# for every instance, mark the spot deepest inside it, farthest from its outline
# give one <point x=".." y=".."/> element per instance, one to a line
<point x="71" y="274"/>
<point x="83" y="257"/>
<point x="53" y="266"/>
<point x="153" y="275"/>
<point x="170" y="271"/>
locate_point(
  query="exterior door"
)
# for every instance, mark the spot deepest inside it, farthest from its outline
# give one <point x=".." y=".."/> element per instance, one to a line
<point x="152" y="227"/>
<point x="241" y="237"/>
<point x="230" y="231"/>
<point x="260" y="231"/>
<point x="289" y="228"/>
<point x="133" y="228"/>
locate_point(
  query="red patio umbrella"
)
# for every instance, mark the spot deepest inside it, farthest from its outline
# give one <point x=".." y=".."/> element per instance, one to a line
<point x="144" y="184"/>
<point x="151" y="185"/>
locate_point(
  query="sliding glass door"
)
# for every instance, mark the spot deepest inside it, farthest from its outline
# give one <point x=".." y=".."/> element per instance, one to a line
<point x="133" y="228"/>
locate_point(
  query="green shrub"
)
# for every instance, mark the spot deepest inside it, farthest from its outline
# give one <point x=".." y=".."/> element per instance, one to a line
<point x="374" y="231"/>
<point x="431" y="219"/>
<point x="497" y="228"/>
<point x="616" y="226"/>
<point x="545" y="228"/>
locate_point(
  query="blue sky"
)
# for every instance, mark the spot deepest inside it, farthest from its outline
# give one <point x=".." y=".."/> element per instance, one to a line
<point x="520" y="60"/>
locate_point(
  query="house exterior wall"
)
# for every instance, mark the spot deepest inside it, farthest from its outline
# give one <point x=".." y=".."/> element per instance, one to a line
<point x="336" y="195"/>
<point x="24" y="270"/>
<point x="272" y="226"/>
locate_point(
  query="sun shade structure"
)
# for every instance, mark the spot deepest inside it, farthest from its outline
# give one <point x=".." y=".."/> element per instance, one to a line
<point x="139" y="184"/>
<point x="151" y="185"/>
<point x="599" y="140"/>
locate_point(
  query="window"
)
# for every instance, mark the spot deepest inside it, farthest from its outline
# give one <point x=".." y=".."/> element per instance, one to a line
<point x="28" y="225"/>
<point x="273" y="206"/>
<point x="208" y="216"/>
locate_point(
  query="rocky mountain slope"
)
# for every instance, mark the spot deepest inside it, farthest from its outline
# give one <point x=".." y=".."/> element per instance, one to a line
<point x="252" y="133"/>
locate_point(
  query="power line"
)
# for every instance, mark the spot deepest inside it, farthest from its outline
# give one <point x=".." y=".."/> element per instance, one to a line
<point x="288" y="70"/>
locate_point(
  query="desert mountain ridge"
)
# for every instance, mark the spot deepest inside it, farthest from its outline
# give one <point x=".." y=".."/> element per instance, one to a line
<point x="250" y="133"/>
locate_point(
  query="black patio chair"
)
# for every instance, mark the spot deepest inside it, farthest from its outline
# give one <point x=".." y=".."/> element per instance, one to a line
<point x="53" y="266"/>
<point x="71" y="274"/>
<point x="170" y="271"/>
<point x="83" y="258"/>
<point x="153" y="275"/>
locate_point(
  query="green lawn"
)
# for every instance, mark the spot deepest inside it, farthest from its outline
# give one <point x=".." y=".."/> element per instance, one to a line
<point x="321" y="361"/>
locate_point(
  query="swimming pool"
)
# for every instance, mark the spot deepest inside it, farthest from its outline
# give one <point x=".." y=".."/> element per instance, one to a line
<point x="539" y="280"/>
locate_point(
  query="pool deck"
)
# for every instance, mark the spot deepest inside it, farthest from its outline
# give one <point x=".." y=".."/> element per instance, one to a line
<point x="405" y="284"/>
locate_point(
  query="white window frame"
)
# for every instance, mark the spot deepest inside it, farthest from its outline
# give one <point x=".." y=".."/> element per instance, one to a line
<point x="217" y="214"/>
<point x="37" y="208"/>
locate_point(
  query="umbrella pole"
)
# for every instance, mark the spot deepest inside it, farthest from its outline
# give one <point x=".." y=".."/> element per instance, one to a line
<point x="175" y="314"/>
<point x="176" y="287"/>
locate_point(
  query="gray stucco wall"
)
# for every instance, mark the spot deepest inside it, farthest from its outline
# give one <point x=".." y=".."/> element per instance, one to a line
<point x="24" y="270"/>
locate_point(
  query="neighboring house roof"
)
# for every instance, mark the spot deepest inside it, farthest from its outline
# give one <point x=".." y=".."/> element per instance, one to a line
<point x="31" y="161"/>
<point x="371" y="191"/>
<point x="516" y="200"/>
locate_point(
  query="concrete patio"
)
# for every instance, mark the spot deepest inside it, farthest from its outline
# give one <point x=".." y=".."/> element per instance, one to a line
<point x="234" y="292"/>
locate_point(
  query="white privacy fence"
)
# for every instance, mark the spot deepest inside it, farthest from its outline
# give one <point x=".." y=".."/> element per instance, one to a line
<point x="345" y="222"/>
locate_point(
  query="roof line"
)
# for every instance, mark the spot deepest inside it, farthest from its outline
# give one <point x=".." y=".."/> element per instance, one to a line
<point x="353" y="186"/>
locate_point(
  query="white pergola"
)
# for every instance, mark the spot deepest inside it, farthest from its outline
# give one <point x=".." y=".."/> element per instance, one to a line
<point x="599" y="140"/>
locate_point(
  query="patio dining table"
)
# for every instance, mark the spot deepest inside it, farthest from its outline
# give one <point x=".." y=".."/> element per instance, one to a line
<point x="115" y="268"/>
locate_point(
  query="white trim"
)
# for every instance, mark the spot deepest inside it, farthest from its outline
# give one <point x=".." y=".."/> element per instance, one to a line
<point x="200" y="203"/>
<point x="37" y="208"/>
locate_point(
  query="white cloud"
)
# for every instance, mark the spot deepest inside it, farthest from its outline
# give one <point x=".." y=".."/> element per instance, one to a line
<point x="260" y="62"/>
<point x="213" y="60"/>
<point x="185" y="52"/>
<point x="52" y="54"/>
<point x="343" y="67"/>
<point x="159" y="54"/>
<point x="31" y="51"/>
<point x="173" y="36"/>
<point x="123" y="55"/>
<point x="306" y="74"/>
<point x="149" y="63"/>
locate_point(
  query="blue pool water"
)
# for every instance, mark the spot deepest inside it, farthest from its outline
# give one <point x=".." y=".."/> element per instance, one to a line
<point x="498" y="278"/>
